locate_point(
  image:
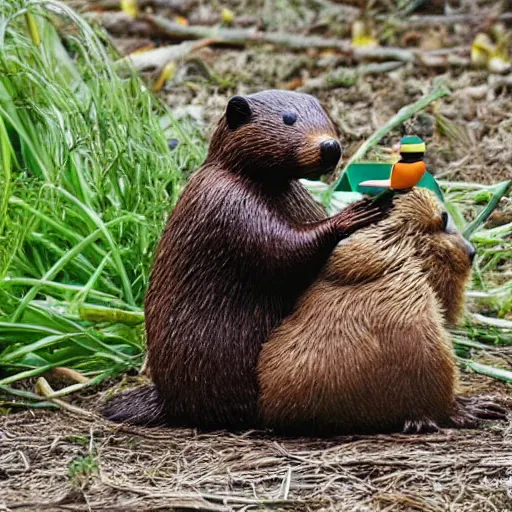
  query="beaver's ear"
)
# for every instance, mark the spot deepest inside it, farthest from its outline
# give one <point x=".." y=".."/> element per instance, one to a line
<point x="238" y="112"/>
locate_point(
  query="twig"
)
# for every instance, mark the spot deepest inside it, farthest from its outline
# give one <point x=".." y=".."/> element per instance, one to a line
<point x="222" y="498"/>
<point x="439" y="91"/>
<point x="345" y="77"/>
<point x="69" y="374"/>
<point x="125" y="506"/>
<point x="442" y="19"/>
<point x="159" y="57"/>
<point x="44" y="389"/>
<point x="180" y="6"/>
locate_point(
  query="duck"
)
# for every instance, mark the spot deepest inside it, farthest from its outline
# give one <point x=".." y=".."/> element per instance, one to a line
<point x="410" y="168"/>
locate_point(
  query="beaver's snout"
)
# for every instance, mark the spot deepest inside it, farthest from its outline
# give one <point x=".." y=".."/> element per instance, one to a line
<point x="330" y="152"/>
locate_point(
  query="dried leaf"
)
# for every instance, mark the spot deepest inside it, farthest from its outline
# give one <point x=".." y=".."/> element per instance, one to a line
<point x="167" y="73"/>
<point x="363" y="34"/>
<point x="227" y="16"/>
<point x="130" y="7"/>
<point x="181" y="20"/>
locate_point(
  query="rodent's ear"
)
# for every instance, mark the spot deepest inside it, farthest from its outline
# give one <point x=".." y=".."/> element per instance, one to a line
<point x="238" y="112"/>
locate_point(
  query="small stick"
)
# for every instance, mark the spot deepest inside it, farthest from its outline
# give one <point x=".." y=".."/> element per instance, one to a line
<point x="44" y="389"/>
<point x="422" y="21"/>
<point x="176" y="5"/>
<point x="69" y="374"/>
<point x="342" y="77"/>
<point x="159" y="57"/>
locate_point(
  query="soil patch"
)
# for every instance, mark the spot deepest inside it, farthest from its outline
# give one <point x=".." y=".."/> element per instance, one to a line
<point x="55" y="461"/>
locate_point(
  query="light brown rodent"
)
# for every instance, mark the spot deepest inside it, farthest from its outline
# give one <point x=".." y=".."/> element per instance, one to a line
<point x="366" y="349"/>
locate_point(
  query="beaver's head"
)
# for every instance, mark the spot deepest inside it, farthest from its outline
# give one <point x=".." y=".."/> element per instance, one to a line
<point x="276" y="134"/>
<point x="419" y="220"/>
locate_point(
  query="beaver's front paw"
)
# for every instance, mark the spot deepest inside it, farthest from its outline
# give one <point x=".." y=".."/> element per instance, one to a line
<point x="482" y="407"/>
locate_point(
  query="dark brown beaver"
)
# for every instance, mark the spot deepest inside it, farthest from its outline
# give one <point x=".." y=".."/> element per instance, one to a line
<point x="242" y="244"/>
<point x="366" y="349"/>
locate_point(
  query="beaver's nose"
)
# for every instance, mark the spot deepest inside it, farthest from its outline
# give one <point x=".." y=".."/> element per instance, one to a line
<point x="330" y="152"/>
<point x="470" y="248"/>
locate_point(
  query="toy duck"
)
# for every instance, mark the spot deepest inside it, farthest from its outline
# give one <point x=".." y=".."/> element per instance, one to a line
<point x="408" y="171"/>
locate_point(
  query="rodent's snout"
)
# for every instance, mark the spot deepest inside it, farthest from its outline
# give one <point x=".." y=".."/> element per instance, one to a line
<point x="470" y="249"/>
<point x="330" y="152"/>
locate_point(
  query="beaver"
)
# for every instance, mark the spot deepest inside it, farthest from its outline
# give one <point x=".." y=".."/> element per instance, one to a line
<point x="243" y="242"/>
<point x="366" y="349"/>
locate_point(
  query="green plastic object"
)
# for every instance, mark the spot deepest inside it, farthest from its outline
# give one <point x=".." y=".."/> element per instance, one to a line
<point x="362" y="171"/>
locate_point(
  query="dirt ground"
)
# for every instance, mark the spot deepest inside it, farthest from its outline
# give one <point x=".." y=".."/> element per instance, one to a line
<point x="60" y="461"/>
<point x="55" y="460"/>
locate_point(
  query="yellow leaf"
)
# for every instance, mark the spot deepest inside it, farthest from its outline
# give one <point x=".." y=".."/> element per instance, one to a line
<point x="227" y="16"/>
<point x="363" y="34"/>
<point x="481" y="50"/>
<point x="130" y="7"/>
<point x="167" y="73"/>
<point x="485" y="53"/>
<point x="181" y="20"/>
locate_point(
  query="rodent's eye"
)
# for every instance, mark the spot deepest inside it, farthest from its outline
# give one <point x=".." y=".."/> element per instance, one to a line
<point x="444" y="220"/>
<point x="289" y="118"/>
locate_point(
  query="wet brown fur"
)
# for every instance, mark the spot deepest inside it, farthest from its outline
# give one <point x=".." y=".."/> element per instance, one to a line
<point x="366" y="349"/>
<point x="244" y="241"/>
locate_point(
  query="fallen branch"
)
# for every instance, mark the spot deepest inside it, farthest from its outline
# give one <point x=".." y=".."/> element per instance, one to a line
<point x="346" y="77"/>
<point x="442" y="19"/>
<point x="159" y="57"/>
<point x="121" y="23"/>
<point x="242" y="36"/>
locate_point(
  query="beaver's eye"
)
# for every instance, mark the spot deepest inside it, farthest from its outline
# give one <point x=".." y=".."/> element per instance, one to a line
<point x="289" y="118"/>
<point x="444" y="220"/>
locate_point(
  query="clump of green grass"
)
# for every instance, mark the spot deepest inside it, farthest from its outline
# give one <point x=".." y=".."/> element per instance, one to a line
<point x="82" y="468"/>
<point x="86" y="182"/>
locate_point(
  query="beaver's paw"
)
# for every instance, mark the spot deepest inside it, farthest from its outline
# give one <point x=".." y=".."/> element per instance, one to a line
<point x="424" y="426"/>
<point x="363" y="213"/>
<point x="481" y="408"/>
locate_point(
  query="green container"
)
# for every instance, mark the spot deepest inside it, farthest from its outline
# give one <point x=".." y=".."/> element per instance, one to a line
<point x="362" y="171"/>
